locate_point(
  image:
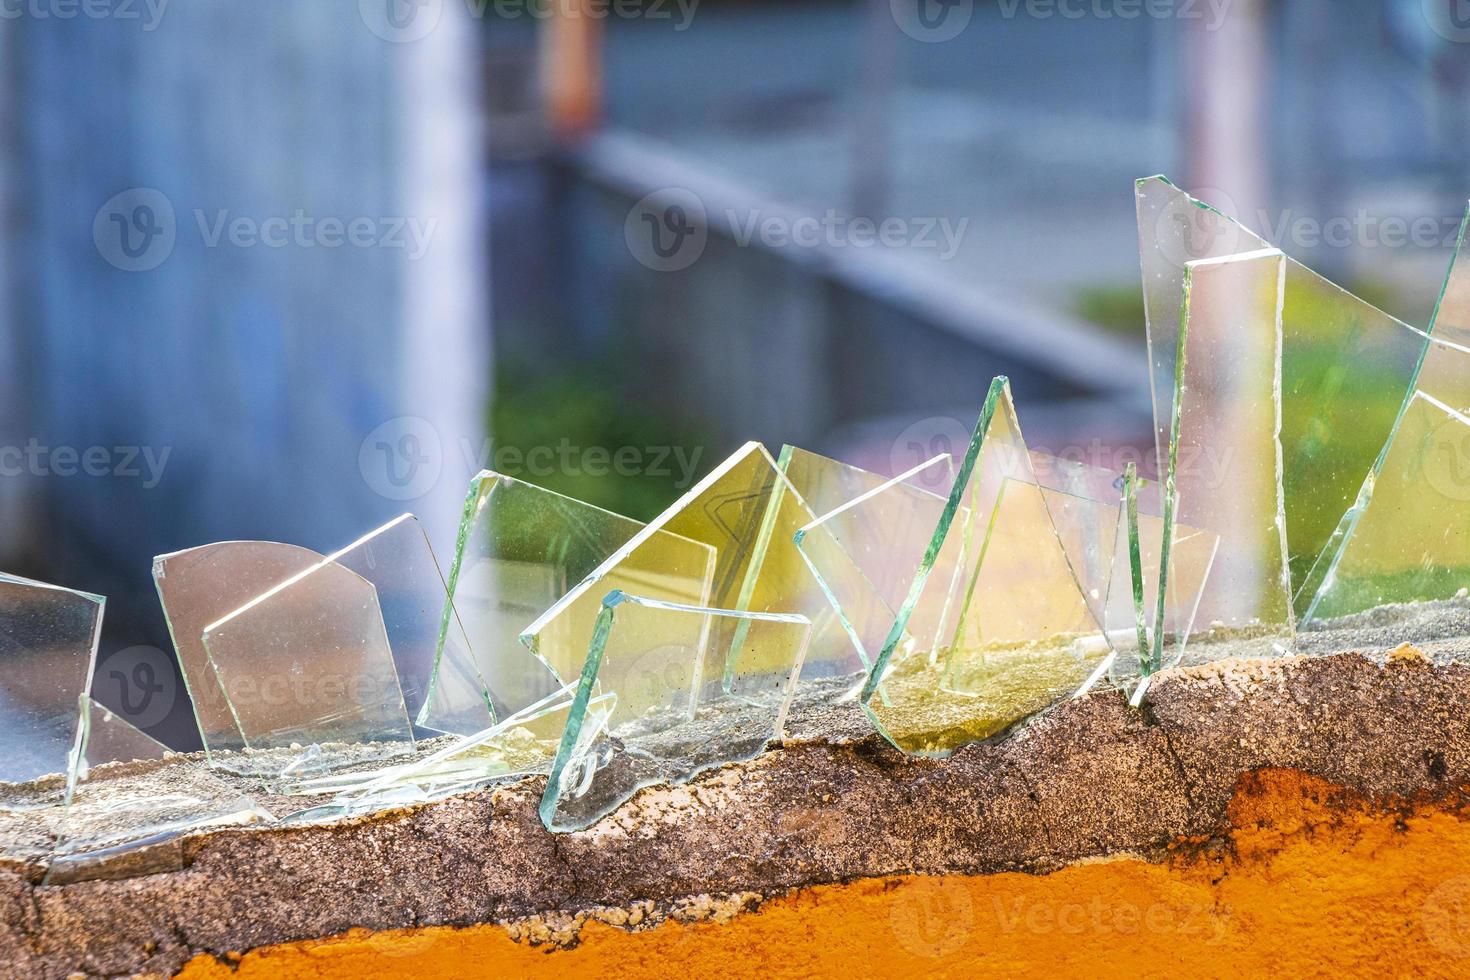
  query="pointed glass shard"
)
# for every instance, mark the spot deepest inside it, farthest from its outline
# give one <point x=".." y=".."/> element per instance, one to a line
<point x="725" y="548"/>
<point x="128" y="798"/>
<point x="988" y="623"/>
<point x="866" y="552"/>
<point x="860" y="550"/>
<point x="726" y="544"/>
<point x="689" y="688"/>
<point x="1411" y="543"/>
<point x="521" y="548"/>
<point x="1345" y="366"/>
<point x="325" y="668"/>
<point x="48" y="643"/>
<point x="1223" y="470"/>
<point x="203" y="584"/>
<point x="1401" y="539"/>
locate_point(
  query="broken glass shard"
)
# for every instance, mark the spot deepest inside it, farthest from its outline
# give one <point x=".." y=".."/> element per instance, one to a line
<point x="689" y="689"/>
<point x="1417" y="481"/>
<point x="862" y="557"/>
<point x="48" y="644"/>
<point x="1411" y="543"/>
<point x="980" y="620"/>
<point x="519" y="549"/>
<point x="1223" y="469"/>
<point x="130" y="796"/>
<point x="341" y="654"/>
<point x="203" y="584"/>
<point x="1345" y="366"/>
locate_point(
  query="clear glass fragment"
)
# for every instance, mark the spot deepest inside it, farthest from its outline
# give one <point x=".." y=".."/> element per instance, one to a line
<point x="1411" y="542"/>
<point x="988" y="621"/>
<point x="48" y="645"/>
<point x="324" y="669"/>
<point x="683" y="689"/>
<point x="1224" y="464"/>
<point x="203" y="584"/>
<point x="1345" y="367"/>
<point x="519" y="549"/>
<point x="129" y="796"/>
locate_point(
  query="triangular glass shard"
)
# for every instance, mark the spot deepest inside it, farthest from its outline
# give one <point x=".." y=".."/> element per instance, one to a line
<point x="324" y="668"/>
<point x="127" y="798"/>
<point x="520" y="548"/>
<point x="725" y="549"/>
<point x="866" y="552"/>
<point x="689" y="689"/>
<point x="992" y="625"/>
<point x="1401" y="539"/>
<point x="1411" y="542"/>
<point x="48" y="645"/>
<point x="858" y="553"/>
<point x="203" y="584"/>
<point x="1223" y="470"/>
<point x="1345" y="366"/>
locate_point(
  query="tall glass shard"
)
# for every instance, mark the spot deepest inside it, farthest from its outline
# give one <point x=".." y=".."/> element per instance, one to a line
<point x="197" y="587"/>
<point x="1224" y="462"/>
<point x="1411" y="543"/>
<point x="521" y="548"/>
<point x="1421" y="449"/>
<point x="129" y="798"/>
<point x="339" y="656"/>
<point x="988" y="623"/>
<point x="1345" y="365"/>
<point x="690" y="688"/>
<point x="48" y="645"/>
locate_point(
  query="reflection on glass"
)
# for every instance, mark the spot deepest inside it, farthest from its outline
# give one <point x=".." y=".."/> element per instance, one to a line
<point x="684" y="689"/>
<point x="48" y="646"/>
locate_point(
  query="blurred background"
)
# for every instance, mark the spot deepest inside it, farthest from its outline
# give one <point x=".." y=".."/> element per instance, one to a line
<point x="285" y="270"/>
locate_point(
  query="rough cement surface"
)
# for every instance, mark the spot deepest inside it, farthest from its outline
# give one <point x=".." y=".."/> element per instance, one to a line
<point x="1090" y="778"/>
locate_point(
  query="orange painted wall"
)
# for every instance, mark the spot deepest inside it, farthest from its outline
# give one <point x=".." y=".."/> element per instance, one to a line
<point x="1308" y="882"/>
